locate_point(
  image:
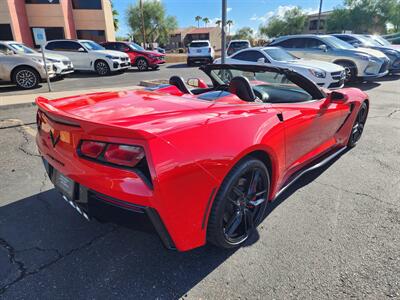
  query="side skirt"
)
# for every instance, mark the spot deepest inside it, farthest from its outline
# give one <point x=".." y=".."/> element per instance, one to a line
<point x="315" y="165"/>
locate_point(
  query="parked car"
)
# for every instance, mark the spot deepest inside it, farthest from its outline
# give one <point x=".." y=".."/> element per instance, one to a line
<point x="359" y="63"/>
<point x="358" y="40"/>
<point x="201" y="167"/>
<point x="324" y="74"/>
<point x="200" y="51"/>
<point x="62" y="64"/>
<point x="24" y="72"/>
<point x="236" y="45"/>
<point x="384" y="42"/>
<point x="87" y="55"/>
<point x="161" y="50"/>
<point x="139" y="57"/>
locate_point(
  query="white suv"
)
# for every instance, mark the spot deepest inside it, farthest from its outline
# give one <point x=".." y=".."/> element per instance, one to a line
<point x="87" y="55"/>
<point x="62" y="64"/>
<point x="200" y="51"/>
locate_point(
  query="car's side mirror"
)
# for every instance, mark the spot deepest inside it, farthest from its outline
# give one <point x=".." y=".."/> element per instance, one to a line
<point x="261" y="60"/>
<point x="81" y="49"/>
<point x="336" y="96"/>
<point x="323" y="48"/>
<point x="356" y="45"/>
<point x="9" y="52"/>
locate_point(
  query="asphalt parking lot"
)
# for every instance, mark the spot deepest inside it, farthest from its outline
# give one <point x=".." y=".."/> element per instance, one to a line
<point x="334" y="235"/>
<point x="90" y="80"/>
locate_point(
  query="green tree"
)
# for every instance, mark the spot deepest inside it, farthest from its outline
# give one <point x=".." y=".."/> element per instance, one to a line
<point x="206" y="21"/>
<point x="361" y="16"/>
<point x="229" y="23"/>
<point x="394" y="17"/>
<point x="292" y="22"/>
<point x="218" y="22"/>
<point x="198" y="19"/>
<point x="157" y="25"/>
<point x="245" y="33"/>
<point x="115" y="15"/>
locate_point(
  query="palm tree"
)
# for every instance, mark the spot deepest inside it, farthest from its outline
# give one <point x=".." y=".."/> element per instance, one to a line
<point x="206" y="21"/>
<point x="218" y="23"/>
<point x="229" y="23"/>
<point x="198" y="19"/>
<point x="115" y="15"/>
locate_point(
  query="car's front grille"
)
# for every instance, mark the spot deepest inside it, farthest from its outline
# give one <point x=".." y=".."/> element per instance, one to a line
<point x="124" y="58"/>
<point x="337" y="75"/>
<point x="66" y="62"/>
<point x="384" y="67"/>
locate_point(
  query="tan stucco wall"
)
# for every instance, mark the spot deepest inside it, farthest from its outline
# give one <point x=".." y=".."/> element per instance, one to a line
<point x="87" y="19"/>
<point x="4" y="12"/>
<point x="45" y="15"/>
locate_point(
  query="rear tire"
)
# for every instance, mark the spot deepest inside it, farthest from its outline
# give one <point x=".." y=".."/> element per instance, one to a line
<point x="358" y="126"/>
<point x="26" y="78"/>
<point x="239" y="205"/>
<point x="102" y="68"/>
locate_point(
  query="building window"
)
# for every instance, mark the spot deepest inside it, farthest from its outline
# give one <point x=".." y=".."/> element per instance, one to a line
<point x="86" y="4"/>
<point x="5" y="32"/>
<point x="52" y="33"/>
<point x="42" y="1"/>
<point x="94" y="35"/>
<point x="314" y="24"/>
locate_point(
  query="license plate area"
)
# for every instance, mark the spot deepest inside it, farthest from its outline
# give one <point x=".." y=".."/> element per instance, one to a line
<point x="65" y="185"/>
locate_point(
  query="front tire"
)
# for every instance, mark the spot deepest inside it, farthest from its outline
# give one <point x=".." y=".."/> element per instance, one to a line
<point x="350" y="70"/>
<point x="358" y="126"/>
<point x="142" y="64"/>
<point x="26" y="78"/>
<point x="102" y="68"/>
<point x="239" y="205"/>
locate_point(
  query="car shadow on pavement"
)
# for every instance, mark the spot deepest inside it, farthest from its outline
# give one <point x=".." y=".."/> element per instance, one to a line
<point x="179" y="66"/>
<point x="49" y="243"/>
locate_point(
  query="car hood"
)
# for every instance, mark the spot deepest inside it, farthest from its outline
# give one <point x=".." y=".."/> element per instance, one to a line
<point x="326" y="66"/>
<point x="372" y="52"/>
<point x="148" y="52"/>
<point x="111" y="52"/>
<point x="50" y="55"/>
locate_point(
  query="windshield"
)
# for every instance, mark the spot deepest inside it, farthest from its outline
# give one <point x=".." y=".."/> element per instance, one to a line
<point x="136" y="47"/>
<point x="89" y="45"/>
<point x="381" y="40"/>
<point x="268" y="86"/>
<point x="198" y="44"/>
<point x="337" y="43"/>
<point x="368" y="41"/>
<point x="22" y="48"/>
<point x="279" y="54"/>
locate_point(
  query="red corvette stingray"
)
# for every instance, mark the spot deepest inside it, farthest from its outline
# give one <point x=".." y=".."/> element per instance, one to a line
<point x="200" y="163"/>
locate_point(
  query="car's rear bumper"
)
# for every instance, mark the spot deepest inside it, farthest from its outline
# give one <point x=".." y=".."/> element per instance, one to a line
<point x="92" y="204"/>
<point x="200" y="59"/>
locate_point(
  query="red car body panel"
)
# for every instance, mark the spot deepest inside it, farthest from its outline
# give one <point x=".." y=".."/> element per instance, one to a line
<point x="190" y="145"/>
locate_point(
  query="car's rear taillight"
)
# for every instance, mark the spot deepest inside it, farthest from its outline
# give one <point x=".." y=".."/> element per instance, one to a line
<point x="92" y="149"/>
<point x="123" y="155"/>
<point x="116" y="154"/>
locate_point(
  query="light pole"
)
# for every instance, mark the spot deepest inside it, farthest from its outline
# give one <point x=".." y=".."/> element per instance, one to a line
<point x="223" y="35"/>
<point x="319" y="15"/>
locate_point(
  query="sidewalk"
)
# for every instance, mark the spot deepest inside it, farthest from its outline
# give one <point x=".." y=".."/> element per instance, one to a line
<point x="7" y="102"/>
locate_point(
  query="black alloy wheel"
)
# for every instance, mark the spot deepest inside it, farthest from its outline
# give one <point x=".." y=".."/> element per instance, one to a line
<point x="142" y="64"/>
<point x="349" y="70"/>
<point x="240" y="204"/>
<point x="358" y="126"/>
<point x="102" y="68"/>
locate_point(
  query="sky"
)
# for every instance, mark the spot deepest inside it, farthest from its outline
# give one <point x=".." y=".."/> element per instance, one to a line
<point x="250" y="13"/>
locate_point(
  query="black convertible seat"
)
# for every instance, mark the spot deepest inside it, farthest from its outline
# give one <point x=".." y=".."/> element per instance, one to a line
<point x="240" y="86"/>
<point x="180" y="84"/>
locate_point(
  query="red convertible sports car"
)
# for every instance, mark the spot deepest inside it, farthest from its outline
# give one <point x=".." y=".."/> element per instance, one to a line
<point x="201" y="162"/>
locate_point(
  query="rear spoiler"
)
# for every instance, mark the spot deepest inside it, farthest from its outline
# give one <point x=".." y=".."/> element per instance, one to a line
<point x="65" y="119"/>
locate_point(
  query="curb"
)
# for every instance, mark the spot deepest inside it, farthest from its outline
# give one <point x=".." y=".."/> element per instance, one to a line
<point x="17" y="105"/>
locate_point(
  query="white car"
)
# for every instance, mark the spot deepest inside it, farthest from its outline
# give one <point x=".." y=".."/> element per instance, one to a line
<point x="200" y="51"/>
<point x="62" y="64"/>
<point x="324" y="74"/>
<point x="24" y="72"/>
<point x="87" y="55"/>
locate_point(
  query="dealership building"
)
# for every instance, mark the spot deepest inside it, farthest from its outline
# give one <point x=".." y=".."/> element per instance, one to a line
<point x="61" y="19"/>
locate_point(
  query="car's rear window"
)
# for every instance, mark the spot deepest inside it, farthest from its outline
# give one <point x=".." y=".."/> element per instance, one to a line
<point x="198" y="44"/>
<point x="239" y="44"/>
